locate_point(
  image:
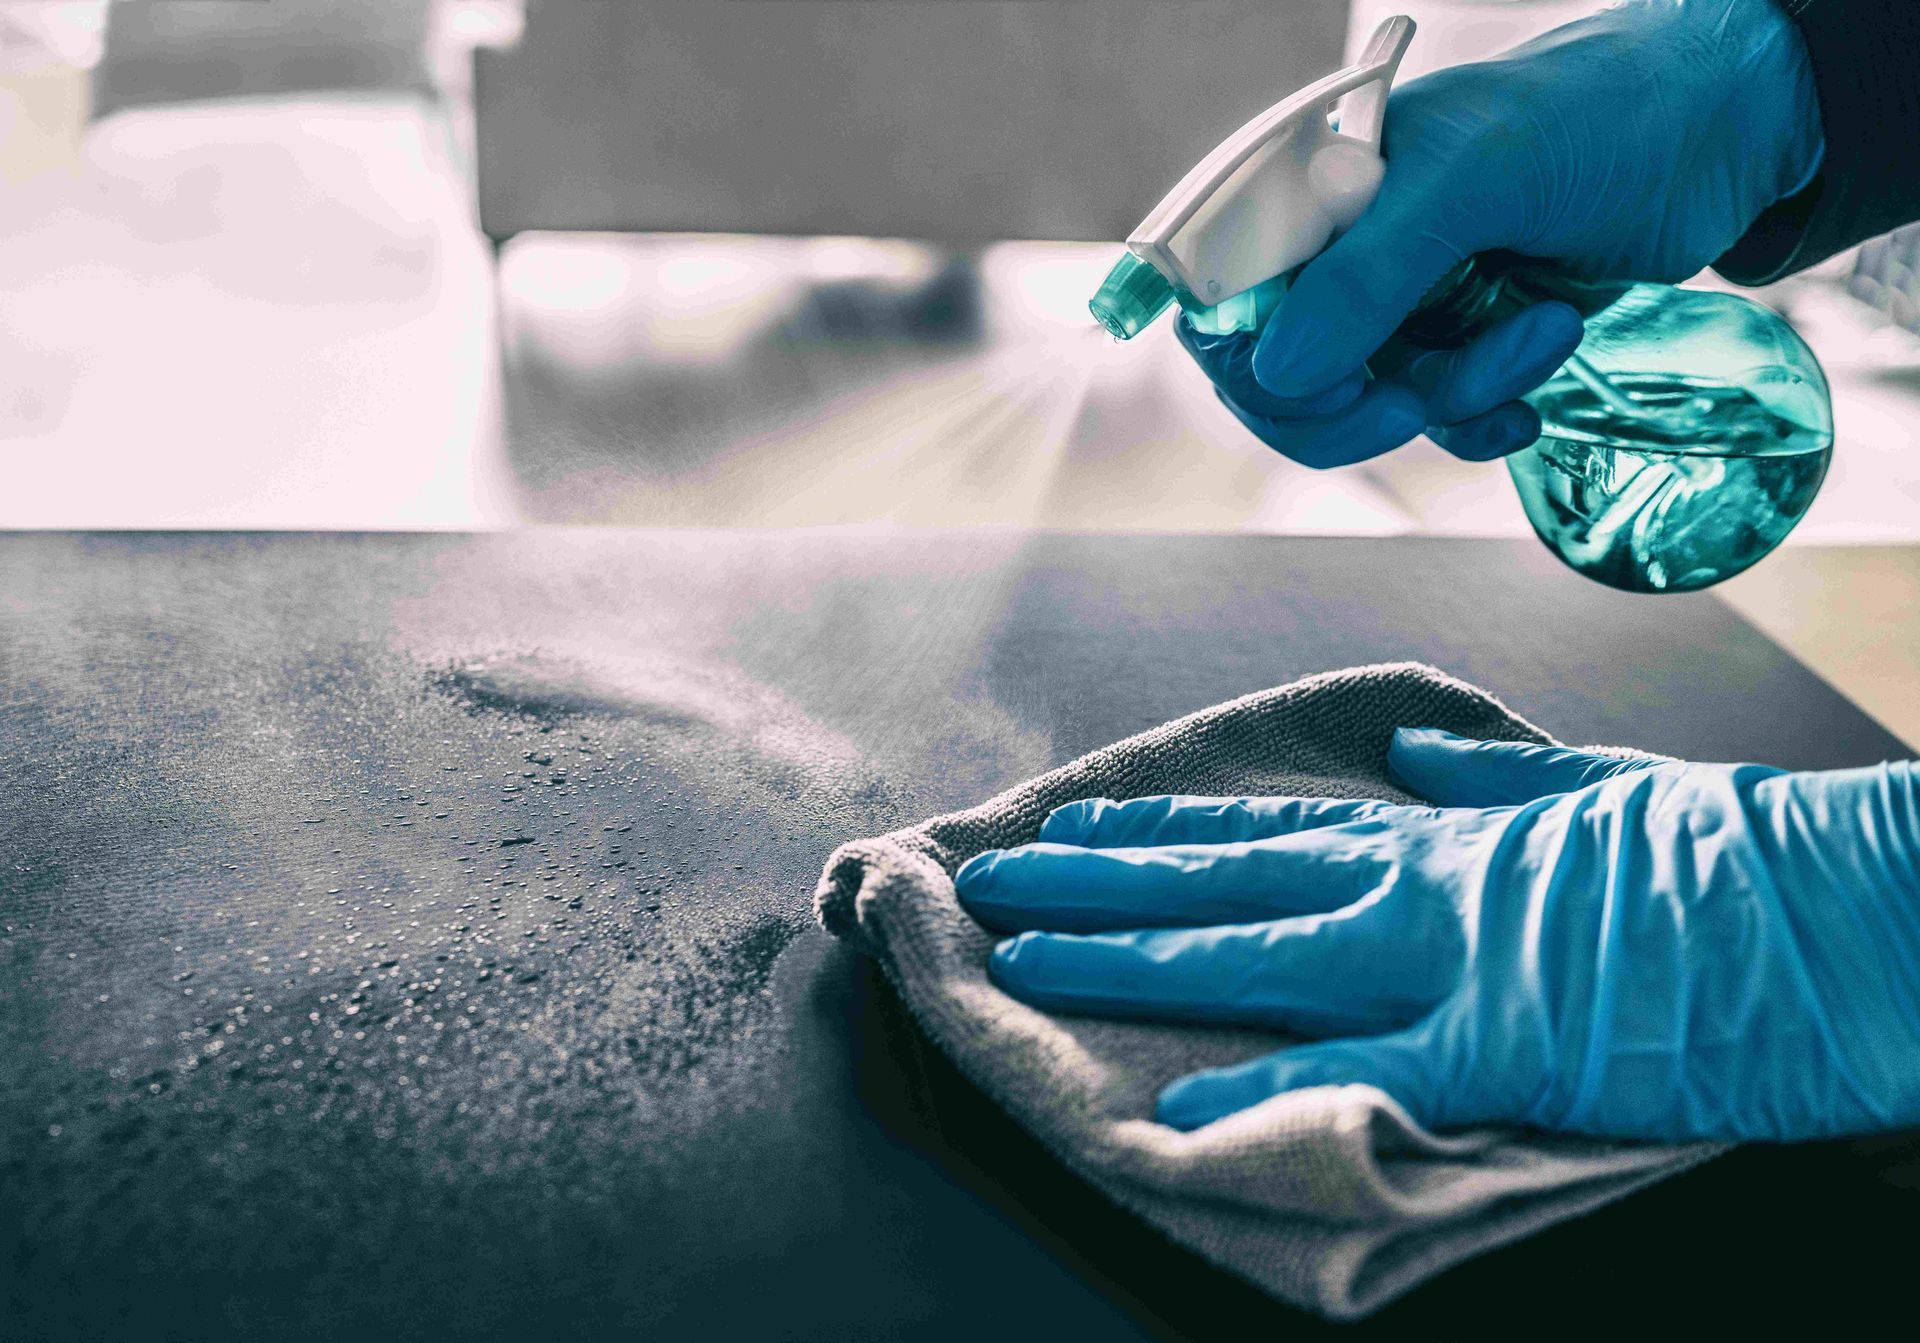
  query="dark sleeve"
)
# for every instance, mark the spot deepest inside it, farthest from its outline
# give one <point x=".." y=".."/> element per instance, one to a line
<point x="1866" y="74"/>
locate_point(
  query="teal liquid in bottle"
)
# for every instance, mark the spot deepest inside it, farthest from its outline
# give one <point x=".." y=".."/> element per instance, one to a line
<point x="1686" y="437"/>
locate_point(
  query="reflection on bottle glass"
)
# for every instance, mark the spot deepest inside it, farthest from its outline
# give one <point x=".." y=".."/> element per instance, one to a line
<point x="1698" y="486"/>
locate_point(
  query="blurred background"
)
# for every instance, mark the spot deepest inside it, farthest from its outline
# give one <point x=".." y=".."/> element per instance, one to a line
<point x="406" y="264"/>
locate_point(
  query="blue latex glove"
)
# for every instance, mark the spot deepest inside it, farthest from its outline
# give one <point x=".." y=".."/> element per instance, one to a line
<point x="1637" y="144"/>
<point x="1566" y="941"/>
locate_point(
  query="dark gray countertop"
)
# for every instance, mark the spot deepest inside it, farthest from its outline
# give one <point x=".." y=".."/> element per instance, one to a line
<point x="409" y="936"/>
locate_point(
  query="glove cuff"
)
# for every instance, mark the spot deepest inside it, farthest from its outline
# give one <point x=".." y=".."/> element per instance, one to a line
<point x="1867" y="180"/>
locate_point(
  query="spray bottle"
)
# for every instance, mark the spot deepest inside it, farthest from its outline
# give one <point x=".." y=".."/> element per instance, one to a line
<point x="1681" y="443"/>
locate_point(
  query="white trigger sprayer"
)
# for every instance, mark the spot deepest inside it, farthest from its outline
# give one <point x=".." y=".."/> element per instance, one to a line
<point x="1269" y="198"/>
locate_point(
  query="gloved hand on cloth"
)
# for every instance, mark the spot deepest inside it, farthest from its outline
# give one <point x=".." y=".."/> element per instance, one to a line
<point x="1619" y="948"/>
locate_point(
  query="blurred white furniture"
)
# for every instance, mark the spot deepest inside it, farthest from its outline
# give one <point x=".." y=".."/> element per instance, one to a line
<point x="251" y="314"/>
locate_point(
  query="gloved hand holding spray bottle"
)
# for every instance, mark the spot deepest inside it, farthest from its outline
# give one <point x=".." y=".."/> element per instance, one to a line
<point x="1684" y="433"/>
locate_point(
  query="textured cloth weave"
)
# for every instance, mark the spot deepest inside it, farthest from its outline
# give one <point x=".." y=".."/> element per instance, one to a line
<point x="1329" y="1198"/>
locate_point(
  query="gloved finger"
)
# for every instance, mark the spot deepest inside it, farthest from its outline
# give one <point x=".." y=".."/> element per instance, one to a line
<point x="1227" y="360"/>
<point x="1340" y="974"/>
<point x="1100" y="823"/>
<point x="1500" y="431"/>
<point x="1508" y="360"/>
<point x="1403" y="1065"/>
<point x="1451" y="771"/>
<point x="1386" y="415"/>
<point x="1345" y="302"/>
<point x="1069" y="889"/>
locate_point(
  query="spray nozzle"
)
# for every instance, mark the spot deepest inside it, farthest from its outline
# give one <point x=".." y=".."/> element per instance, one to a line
<point x="1131" y="296"/>
<point x="1267" y="199"/>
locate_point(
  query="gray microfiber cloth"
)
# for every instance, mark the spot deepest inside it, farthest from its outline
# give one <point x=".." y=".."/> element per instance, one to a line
<point x="1329" y="1198"/>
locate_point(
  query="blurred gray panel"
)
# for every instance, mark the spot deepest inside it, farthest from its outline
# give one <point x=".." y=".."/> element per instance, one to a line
<point x="188" y="50"/>
<point x="951" y="120"/>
